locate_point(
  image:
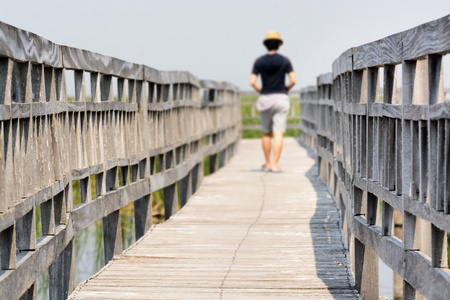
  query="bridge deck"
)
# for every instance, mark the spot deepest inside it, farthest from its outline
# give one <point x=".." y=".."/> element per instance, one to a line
<point x="245" y="234"/>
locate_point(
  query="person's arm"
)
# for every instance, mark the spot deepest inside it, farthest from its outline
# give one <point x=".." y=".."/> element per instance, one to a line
<point x="254" y="83"/>
<point x="292" y="80"/>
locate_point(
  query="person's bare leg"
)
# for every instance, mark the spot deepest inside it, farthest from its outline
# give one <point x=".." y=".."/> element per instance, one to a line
<point x="277" y="147"/>
<point x="266" y="145"/>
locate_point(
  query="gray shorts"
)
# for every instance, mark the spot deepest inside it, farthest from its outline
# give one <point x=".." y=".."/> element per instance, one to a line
<point x="275" y="118"/>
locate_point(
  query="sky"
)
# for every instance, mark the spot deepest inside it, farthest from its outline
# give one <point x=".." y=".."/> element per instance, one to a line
<point x="219" y="39"/>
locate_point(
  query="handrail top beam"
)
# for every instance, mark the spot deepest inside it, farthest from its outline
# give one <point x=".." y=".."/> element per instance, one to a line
<point x="418" y="42"/>
<point x="24" y="46"/>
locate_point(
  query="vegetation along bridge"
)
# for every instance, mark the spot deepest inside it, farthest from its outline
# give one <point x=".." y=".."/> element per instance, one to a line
<point x="372" y="185"/>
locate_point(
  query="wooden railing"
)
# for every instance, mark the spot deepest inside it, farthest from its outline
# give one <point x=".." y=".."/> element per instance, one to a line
<point x="386" y="156"/>
<point x="151" y="137"/>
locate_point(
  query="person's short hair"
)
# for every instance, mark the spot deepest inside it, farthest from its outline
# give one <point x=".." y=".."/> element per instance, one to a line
<point x="272" y="44"/>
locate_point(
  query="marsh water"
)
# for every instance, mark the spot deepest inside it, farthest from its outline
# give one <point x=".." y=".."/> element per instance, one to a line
<point x="89" y="252"/>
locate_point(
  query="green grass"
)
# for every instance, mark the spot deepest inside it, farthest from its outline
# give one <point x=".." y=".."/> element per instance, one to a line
<point x="257" y="134"/>
<point x="127" y="224"/>
<point x="249" y="98"/>
<point x="251" y="122"/>
<point x="38" y="222"/>
<point x="158" y="206"/>
<point x="246" y="114"/>
<point x="297" y="109"/>
<point x="206" y="166"/>
<point x="76" y="193"/>
<point x="246" y="110"/>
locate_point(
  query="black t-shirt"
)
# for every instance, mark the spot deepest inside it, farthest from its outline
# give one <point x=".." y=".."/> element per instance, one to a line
<point x="273" y="69"/>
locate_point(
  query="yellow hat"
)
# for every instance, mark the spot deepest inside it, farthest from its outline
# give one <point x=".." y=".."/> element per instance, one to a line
<point x="273" y="35"/>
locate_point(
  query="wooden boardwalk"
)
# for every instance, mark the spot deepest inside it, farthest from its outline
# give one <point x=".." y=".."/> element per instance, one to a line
<point x="245" y="234"/>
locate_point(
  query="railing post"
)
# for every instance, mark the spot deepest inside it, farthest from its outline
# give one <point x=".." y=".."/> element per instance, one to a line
<point x="222" y="158"/>
<point x="409" y="221"/>
<point x="112" y="235"/>
<point x="62" y="274"/>
<point x="8" y="248"/>
<point x="366" y="271"/>
<point x="212" y="163"/>
<point x="142" y="216"/>
<point x="196" y="177"/>
<point x="26" y="232"/>
<point x="170" y="200"/>
<point x="95" y="87"/>
<point x="185" y="189"/>
<point x="31" y="293"/>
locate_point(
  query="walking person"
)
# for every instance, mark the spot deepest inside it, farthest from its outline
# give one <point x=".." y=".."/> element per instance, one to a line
<point x="273" y="100"/>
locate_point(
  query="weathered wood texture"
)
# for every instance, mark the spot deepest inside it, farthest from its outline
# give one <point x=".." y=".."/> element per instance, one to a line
<point x="275" y="237"/>
<point x="252" y="114"/>
<point x="384" y="146"/>
<point x="47" y="142"/>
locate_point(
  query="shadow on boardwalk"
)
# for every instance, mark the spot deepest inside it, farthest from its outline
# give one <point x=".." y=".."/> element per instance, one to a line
<point x="330" y="250"/>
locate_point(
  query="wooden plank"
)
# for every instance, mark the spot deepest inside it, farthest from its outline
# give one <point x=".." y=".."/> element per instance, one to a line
<point x="274" y="237"/>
